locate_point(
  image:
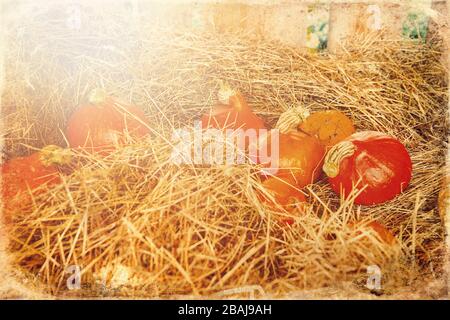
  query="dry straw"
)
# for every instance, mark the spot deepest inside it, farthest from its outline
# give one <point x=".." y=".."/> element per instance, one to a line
<point x="142" y="226"/>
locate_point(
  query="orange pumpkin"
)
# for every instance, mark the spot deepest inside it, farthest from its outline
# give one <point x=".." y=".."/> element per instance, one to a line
<point x="233" y="112"/>
<point x="330" y="126"/>
<point x="285" y="196"/>
<point x="300" y="158"/>
<point x="298" y="164"/>
<point x="380" y="163"/>
<point x="23" y="174"/>
<point x="103" y="124"/>
<point x="382" y="232"/>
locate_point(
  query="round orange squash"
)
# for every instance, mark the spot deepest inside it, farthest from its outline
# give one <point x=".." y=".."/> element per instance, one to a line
<point x="103" y="123"/>
<point x="330" y="126"/>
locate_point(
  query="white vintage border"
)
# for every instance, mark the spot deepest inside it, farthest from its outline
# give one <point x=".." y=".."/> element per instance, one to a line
<point x="12" y="288"/>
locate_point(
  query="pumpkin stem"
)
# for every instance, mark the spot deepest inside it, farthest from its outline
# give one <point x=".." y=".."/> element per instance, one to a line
<point x="291" y="118"/>
<point x="334" y="157"/>
<point x="225" y="93"/>
<point x="52" y="154"/>
<point x="98" y="96"/>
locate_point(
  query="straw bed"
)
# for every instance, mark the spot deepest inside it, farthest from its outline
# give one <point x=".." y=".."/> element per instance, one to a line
<point x="139" y="225"/>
